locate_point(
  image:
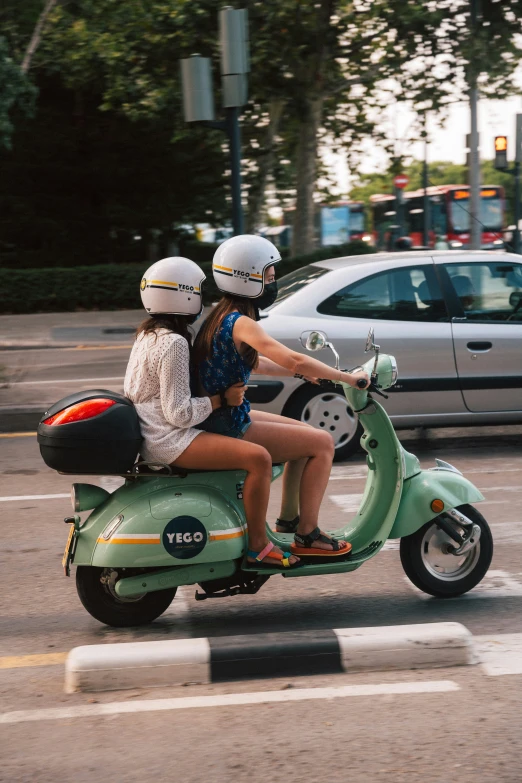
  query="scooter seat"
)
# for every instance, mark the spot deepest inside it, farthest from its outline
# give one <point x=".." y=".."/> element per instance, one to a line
<point x="182" y="472"/>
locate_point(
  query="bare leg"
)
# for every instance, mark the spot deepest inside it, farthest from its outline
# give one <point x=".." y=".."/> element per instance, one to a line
<point x="293" y="468"/>
<point x="217" y="452"/>
<point x="286" y="442"/>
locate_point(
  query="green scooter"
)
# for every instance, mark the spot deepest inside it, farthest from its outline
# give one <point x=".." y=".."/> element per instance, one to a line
<point x="161" y="530"/>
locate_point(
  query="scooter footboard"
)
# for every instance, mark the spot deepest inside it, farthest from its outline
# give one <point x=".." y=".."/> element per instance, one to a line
<point x="421" y="490"/>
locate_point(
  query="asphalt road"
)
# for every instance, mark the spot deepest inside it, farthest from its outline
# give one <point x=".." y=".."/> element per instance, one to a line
<point x="467" y="729"/>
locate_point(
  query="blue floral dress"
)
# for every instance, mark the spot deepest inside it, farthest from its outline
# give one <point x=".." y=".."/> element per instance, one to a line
<point x="224" y="367"/>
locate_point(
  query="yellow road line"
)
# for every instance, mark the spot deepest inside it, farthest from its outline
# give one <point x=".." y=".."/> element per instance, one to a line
<point x="22" y="661"/>
<point x="17" y="434"/>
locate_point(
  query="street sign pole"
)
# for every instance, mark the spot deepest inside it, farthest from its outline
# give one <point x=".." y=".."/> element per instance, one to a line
<point x="425" y="201"/>
<point x="400" y="182"/>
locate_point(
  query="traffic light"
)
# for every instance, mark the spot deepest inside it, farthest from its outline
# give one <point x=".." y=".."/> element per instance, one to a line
<point x="501" y="161"/>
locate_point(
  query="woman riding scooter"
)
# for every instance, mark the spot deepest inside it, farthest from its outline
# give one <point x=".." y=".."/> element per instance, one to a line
<point x="157" y="381"/>
<point x="229" y="347"/>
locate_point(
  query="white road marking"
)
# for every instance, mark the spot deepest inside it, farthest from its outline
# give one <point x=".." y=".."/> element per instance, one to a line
<point x="392" y="545"/>
<point x="500" y="654"/>
<point x="10" y="498"/>
<point x="353" y="477"/>
<point x="347" y="503"/>
<point x="228" y="700"/>
<point x="111" y="483"/>
<point x="496" y="584"/>
<point x="510" y="488"/>
<point x="67" y="380"/>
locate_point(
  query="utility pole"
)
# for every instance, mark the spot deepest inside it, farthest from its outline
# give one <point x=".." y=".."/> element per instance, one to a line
<point x="474" y="169"/>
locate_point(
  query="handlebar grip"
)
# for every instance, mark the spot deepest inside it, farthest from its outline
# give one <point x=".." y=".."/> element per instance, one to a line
<point x="361" y="383"/>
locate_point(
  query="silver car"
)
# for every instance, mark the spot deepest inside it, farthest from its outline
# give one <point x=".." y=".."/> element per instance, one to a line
<point x="452" y="319"/>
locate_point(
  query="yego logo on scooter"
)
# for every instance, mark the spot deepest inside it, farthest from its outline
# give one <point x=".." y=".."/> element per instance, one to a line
<point x="184" y="537"/>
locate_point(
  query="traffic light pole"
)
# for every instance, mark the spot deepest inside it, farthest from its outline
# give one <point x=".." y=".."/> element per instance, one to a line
<point x="231" y="127"/>
<point x="234" y="139"/>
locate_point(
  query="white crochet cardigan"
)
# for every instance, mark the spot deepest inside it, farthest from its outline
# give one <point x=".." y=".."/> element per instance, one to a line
<point x="157" y="381"/>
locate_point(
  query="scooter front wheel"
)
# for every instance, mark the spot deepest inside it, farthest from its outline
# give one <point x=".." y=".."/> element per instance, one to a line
<point x="96" y="591"/>
<point x="428" y="562"/>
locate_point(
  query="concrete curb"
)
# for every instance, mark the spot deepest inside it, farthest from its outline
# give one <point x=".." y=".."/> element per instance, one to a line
<point x="146" y="664"/>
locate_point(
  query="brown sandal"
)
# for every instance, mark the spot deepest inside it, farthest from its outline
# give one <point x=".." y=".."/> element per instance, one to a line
<point x="304" y="545"/>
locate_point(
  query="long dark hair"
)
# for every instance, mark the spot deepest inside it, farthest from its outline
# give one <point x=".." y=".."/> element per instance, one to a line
<point x="226" y="305"/>
<point x="179" y="324"/>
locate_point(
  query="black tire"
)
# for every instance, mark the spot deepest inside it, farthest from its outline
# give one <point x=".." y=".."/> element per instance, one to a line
<point x="297" y="407"/>
<point x="416" y="553"/>
<point x="104" y="605"/>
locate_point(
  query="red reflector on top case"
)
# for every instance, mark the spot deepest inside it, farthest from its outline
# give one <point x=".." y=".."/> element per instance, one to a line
<point x="82" y="410"/>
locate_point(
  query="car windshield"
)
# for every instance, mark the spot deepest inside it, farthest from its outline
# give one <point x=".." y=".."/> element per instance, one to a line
<point x="292" y="283"/>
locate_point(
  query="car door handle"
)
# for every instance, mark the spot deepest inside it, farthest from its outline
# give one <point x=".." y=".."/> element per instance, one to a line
<point x="485" y="345"/>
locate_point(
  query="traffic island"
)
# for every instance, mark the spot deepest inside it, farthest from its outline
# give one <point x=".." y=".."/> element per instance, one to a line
<point x="108" y="667"/>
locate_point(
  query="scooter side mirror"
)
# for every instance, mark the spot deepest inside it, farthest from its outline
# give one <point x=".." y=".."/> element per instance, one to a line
<point x="369" y="341"/>
<point x="315" y="341"/>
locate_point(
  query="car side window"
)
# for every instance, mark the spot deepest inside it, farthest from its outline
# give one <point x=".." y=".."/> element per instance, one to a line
<point x="403" y="294"/>
<point x="489" y="291"/>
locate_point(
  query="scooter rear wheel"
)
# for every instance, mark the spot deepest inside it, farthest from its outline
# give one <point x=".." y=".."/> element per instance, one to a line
<point x="428" y="563"/>
<point x="95" y="588"/>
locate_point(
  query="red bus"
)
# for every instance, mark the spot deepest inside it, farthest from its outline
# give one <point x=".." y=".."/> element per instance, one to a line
<point x="449" y="217"/>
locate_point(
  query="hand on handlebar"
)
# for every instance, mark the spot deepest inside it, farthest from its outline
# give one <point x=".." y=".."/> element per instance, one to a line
<point x="358" y="379"/>
<point x="235" y="394"/>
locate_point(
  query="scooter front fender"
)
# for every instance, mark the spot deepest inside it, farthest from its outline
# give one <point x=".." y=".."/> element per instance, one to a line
<point x="420" y="490"/>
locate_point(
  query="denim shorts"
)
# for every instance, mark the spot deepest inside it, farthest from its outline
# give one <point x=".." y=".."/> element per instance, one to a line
<point x="220" y="422"/>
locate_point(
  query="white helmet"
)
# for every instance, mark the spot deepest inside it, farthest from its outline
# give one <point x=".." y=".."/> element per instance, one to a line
<point x="172" y="286"/>
<point x="239" y="265"/>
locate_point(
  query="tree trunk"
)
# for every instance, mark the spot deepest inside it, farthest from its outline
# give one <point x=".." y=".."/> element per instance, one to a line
<point x="256" y="196"/>
<point x="303" y="233"/>
<point x="37" y="35"/>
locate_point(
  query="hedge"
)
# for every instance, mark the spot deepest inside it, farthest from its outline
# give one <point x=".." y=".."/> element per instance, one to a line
<point x="112" y="286"/>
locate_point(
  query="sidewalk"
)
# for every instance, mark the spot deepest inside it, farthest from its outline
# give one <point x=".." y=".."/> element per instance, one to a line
<point x="56" y="330"/>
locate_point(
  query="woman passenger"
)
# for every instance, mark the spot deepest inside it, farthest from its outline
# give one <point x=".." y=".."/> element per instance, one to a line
<point x="157" y="381"/>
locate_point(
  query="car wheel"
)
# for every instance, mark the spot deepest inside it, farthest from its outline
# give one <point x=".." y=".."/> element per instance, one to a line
<point x="327" y="410"/>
